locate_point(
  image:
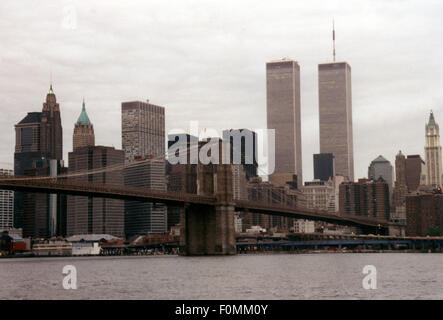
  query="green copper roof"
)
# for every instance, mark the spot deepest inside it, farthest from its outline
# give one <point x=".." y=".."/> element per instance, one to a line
<point x="50" y="90"/>
<point x="83" y="119"/>
<point x="431" y="120"/>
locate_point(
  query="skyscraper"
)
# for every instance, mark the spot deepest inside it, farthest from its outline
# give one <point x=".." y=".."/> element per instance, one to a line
<point x="6" y="203"/>
<point x="415" y="172"/>
<point x="400" y="189"/>
<point x="143" y="137"/>
<point x="381" y="167"/>
<point x="44" y="214"/>
<point x="324" y="166"/>
<point x="92" y="215"/>
<point x="143" y="218"/>
<point x="335" y="114"/>
<point x="433" y="153"/>
<point x="38" y="136"/>
<point x="83" y="131"/>
<point x="283" y="115"/>
<point x="143" y="130"/>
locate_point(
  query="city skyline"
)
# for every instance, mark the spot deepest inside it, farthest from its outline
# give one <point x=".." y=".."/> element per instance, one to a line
<point x="228" y="98"/>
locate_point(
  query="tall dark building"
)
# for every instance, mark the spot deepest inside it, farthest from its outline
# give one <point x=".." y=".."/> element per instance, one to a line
<point x="324" y="167"/>
<point x="415" y="172"/>
<point x="143" y="218"/>
<point x="424" y="215"/>
<point x="44" y="214"/>
<point x="92" y="215"/>
<point x="37" y="136"/>
<point x="365" y="198"/>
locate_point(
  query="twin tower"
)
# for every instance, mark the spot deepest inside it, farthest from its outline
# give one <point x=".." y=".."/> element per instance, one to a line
<point x="335" y="113"/>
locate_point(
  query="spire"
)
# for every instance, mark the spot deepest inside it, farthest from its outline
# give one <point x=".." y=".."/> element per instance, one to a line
<point x="431" y="120"/>
<point x="333" y="39"/>
<point x="50" y="89"/>
<point x="83" y="118"/>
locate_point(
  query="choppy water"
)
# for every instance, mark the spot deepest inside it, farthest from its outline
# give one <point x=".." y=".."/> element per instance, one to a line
<point x="279" y="276"/>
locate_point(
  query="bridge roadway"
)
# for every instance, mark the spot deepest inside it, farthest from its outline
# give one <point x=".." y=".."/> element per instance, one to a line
<point x="60" y="186"/>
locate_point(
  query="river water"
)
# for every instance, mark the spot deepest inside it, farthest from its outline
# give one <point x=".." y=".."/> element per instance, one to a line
<point x="261" y="276"/>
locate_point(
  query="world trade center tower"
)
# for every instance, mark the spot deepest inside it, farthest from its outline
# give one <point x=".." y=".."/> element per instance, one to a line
<point x="283" y="115"/>
<point x="335" y="113"/>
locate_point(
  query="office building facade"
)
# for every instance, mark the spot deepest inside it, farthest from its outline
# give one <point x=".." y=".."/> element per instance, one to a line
<point x="143" y="130"/>
<point x="335" y="115"/>
<point x="284" y="116"/>
<point x="93" y="215"/>
<point x="6" y="203"/>
<point x="365" y="198"/>
<point x="37" y="136"/>
<point x="324" y="167"/>
<point x="143" y="218"/>
<point x="143" y="138"/>
<point x="433" y="153"/>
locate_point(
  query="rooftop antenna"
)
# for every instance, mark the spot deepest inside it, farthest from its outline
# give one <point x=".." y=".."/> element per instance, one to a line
<point x="333" y="39"/>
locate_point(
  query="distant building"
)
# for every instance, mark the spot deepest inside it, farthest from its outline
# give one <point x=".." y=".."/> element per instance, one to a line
<point x="6" y="203"/>
<point x="304" y="226"/>
<point x="143" y="137"/>
<point x="143" y="130"/>
<point x="415" y="172"/>
<point x="265" y="192"/>
<point x="424" y="215"/>
<point x="319" y="195"/>
<point x="365" y="198"/>
<point x="324" y="167"/>
<point x="433" y="153"/>
<point x="335" y="114"/>
<point x="323" y="195"/>
<point x="283" y="115"/>
<point x="92" y="215"/>
<point x="44" y="214"/>
<point x="37" y="136"/>
<point x="400" y="189"/>
<point x="83" y="131"/>
<point x="239" y="183"/>
<point x="380" y="167"/>
<point x="238" y="223"/>
<point x="143" y="218"/>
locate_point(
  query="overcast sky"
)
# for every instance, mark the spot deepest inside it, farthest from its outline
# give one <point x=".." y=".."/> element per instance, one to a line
<point x="205" y="61"/>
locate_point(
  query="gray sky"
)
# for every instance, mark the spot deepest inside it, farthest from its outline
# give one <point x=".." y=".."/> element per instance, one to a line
<point x="205" y="61"/>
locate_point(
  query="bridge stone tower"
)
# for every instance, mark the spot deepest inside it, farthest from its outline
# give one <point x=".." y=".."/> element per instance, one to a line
<point x="209" y="230"/>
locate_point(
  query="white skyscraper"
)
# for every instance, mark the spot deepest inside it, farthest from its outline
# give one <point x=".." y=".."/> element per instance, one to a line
<point x="433" y="153"/>
<point x="6" y="204"/>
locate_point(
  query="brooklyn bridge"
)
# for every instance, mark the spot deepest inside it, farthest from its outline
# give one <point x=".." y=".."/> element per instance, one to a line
<point x="206" y="218"/>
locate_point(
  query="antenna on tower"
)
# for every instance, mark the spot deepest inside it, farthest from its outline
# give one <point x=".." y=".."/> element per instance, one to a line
<point x="333" y="39"/>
